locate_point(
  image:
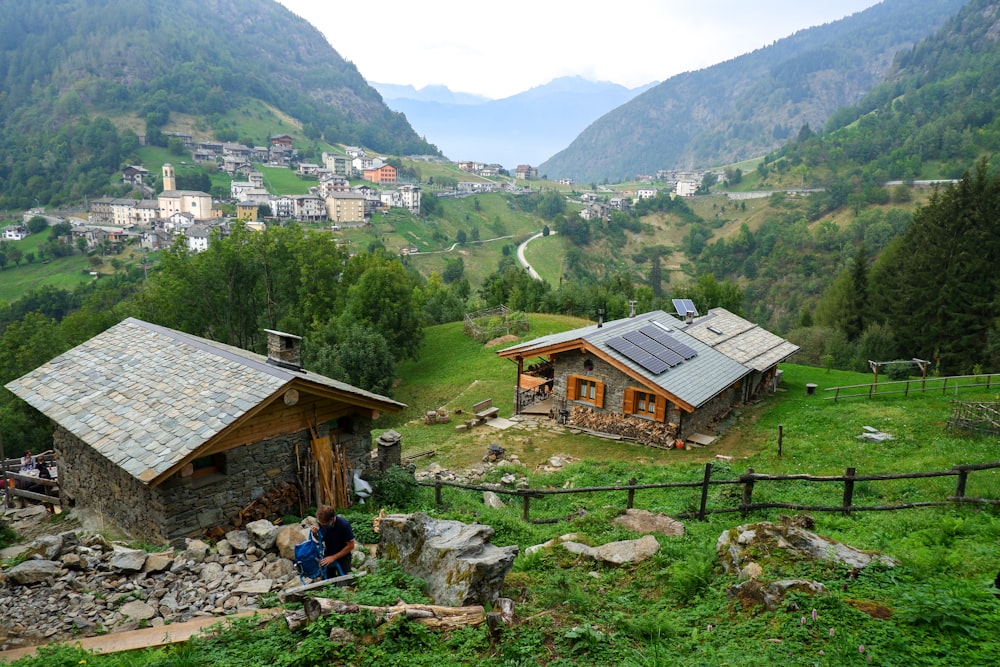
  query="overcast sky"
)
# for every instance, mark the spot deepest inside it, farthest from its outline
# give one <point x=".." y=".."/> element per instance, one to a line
<point x="500" y="49"/>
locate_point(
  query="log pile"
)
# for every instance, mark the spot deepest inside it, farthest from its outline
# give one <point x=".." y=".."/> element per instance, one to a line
<point x="646" y="432"/>
<point x="439" y="416"/>
<point x="433" y="616"/>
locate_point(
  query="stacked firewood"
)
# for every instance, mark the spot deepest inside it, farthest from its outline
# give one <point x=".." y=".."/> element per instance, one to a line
<point x="277" y="501"/>
<point x="643" y="431"/>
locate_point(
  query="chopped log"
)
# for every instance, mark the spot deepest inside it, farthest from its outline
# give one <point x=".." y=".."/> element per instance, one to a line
<point x="643" y="431"/>
<point x="506" y="608"/>
<point x="433" y="616"/>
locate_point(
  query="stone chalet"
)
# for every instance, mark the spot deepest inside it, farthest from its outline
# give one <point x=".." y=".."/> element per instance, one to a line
<point x="648" y="367"/>
<point x="171" y="435"/>
<point x="15" y="232"/>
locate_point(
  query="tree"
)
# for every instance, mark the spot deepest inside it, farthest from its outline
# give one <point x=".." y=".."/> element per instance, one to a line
<point x="461" y="237"/>
<point x="382" y="299"/>
<point x="938" y="284"/>
<point x="37" y="224"/>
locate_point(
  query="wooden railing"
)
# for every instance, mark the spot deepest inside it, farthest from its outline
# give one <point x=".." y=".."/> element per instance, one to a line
<point x="921" y="385"/>
<point x="19" y="485"/>
<point x="749" y="481"/>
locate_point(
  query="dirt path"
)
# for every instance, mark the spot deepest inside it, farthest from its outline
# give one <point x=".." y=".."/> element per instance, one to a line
<point x="144" y="638"/>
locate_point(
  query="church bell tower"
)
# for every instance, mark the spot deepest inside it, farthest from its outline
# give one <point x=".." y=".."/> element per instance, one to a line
<point x="169" y="182"/>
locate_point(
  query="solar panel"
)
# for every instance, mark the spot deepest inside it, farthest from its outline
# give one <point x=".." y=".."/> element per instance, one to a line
<point x="637" y="355"/>
<point x="684" y="307"/>
<point x="668" y="341"/>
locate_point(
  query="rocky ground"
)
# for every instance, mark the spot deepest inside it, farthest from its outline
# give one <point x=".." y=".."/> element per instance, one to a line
<point x="77" y="583"/>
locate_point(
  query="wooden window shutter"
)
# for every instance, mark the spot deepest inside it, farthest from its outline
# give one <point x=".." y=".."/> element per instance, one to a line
<point x="572" y="387"/>
<point x="661" y="409"/>
<point x="628" y="402"/>
<point x="599" y="395"/>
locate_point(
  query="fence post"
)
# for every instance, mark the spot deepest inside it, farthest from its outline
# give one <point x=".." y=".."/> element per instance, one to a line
<point x="963" y="476"/>
<point x="747" y="479"/>
<point x="704" y="492"/>
<point x="437" y="494"/>
<point x="525" y="503"/>
<point x="848" y="491"/>
<point x="631" y="493"/>
<point x="781" y="434"/>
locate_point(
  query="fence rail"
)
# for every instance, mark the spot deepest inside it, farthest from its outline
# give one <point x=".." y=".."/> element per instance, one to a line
<point x="922" y="385"/>
<point x="748" y="481"/>
<point x="21" y="486"/>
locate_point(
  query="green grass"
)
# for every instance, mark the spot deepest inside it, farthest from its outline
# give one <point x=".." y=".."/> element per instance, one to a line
<point x="674" y="608"/>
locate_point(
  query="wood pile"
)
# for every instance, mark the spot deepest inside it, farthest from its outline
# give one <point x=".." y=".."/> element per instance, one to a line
<point x="646" y="432"/>
<point x="276" y="502"/>
<point x="439" y="416"/>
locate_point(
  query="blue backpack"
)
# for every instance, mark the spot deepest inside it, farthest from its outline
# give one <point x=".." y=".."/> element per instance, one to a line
<point x="308" y="554"/>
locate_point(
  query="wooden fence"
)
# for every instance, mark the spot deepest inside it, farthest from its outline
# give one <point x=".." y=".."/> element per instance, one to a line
<point x="26" y="487"/>
<point x="749" y="481"/>
<point x="954" y="383"/>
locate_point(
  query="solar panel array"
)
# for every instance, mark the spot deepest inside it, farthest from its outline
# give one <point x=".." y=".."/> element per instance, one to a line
<point x="652" y="348"/>
<point x="684" y="306"/>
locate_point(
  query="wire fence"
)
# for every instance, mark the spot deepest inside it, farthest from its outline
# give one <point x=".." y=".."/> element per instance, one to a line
<point x="953" y="383"/>
<point x="973" y="484"/>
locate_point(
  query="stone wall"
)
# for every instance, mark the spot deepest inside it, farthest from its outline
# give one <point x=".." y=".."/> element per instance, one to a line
<point x="615" y="382"/>
<point x="187" y="506"/>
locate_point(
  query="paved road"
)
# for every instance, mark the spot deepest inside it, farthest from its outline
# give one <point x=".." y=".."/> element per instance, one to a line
<point x="523" y="261"/>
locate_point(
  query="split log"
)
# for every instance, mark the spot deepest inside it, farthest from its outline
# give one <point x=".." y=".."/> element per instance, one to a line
<point x="433" y="616"/>
<point x="643" y="431"/>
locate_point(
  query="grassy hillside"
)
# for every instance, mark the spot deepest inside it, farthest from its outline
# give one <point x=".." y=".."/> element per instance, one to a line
<point x="936" y="608"/>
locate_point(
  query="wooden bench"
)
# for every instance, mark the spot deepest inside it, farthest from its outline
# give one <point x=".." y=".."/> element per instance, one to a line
<point x="484" y="410"/>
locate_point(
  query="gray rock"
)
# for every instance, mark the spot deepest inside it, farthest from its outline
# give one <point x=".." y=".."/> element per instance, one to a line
<point x="158" y="562"/>
<point x="34" y="572"/>
<point x="773" y="594"/>
<point x="617" y="553"/>
<point x="569" y="537"/>
<point x="456" y="559"/>
<point x="491" y="499"/>
<point x="137" y="610"/>
<point x="239" y="539"/>
<point x="46" y="547"/>
<point x="128" y="560"/>
<point x="211" y="572"/>
<point x="738" y="546"/>
<point x="224" y="548"/>
<point x="263" y="533"/>
<point x="255" y="587"/>
<point x="196" y="551"/>
<point x="644" y="521"/>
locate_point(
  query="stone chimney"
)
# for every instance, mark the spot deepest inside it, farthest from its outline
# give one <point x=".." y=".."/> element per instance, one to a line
<point x="284" y="350"/>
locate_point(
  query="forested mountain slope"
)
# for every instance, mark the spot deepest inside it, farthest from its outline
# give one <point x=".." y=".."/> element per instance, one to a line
<point x="67" y="65"/>
<point x="750" y="105"/>
<point x="936" y="112"/>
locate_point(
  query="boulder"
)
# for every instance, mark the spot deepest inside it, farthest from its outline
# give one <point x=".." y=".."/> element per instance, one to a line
<point x="617" y="553"/>
<point x="138" y="610"/>
<point x="46" y="547"/>
<point x="128" y="560"/>
<point x="644" y="521"/>
<point x="286" y="539"/>
<point x="456" y="559"/>
<point x="569" y="537"/>
<point x="239" y="539"/>
<point x="752" y="593"/>
<point x="740" y="545"/>
<point x="34" y="572"/>
<point x="263" y="533"/>
<point x="492" y="500"/>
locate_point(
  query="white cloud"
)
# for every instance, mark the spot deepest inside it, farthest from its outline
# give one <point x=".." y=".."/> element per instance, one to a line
<point x="502" y="49"/>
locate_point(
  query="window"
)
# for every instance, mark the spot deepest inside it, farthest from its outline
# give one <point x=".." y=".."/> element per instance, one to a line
<point x="642" y="403"/>
<point x="585" y="389"/>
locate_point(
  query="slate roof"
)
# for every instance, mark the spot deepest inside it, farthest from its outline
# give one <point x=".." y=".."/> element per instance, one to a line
<point x="738" y="339"/>
<point x="694" y="381"/>
<point x="146" y="397"/>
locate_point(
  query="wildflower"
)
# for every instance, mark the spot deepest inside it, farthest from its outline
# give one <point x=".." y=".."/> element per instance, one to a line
<point x="709" y="627"/>
<point x="861" y="648"/>
<point x="831" y="632"/>
<point x="803" y="620"/>
<point x="821" y="651"/>
<point x="815" y="614"/>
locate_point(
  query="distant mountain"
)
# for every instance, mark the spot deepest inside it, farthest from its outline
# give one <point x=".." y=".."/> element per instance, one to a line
<point x="443" y="94"/>
<point x="752" y="104"/>
<point x="79" y="79"/>
<point x="521" y="129"/>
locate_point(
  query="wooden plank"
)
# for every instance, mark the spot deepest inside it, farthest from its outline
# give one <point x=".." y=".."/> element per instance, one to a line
<point x="701" y="439"/>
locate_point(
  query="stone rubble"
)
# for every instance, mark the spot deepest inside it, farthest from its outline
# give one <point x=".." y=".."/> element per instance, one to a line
<point x="78" y="584"/>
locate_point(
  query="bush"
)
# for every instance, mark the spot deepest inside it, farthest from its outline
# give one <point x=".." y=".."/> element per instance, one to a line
<point x="396" y="487"/>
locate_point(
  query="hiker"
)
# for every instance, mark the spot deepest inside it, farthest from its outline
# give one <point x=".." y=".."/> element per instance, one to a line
<point x="338" y="541"/>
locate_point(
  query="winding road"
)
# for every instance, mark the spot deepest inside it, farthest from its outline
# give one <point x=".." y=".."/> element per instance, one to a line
<point x="523" y="261"/>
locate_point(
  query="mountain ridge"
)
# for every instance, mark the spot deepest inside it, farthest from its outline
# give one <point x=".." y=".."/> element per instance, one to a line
<point x="746" y="106"/>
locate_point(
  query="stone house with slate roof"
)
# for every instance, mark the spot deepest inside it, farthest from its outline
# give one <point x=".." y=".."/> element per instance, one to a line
<point x="170" y="434"/>
<point x="643" y="367"/>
